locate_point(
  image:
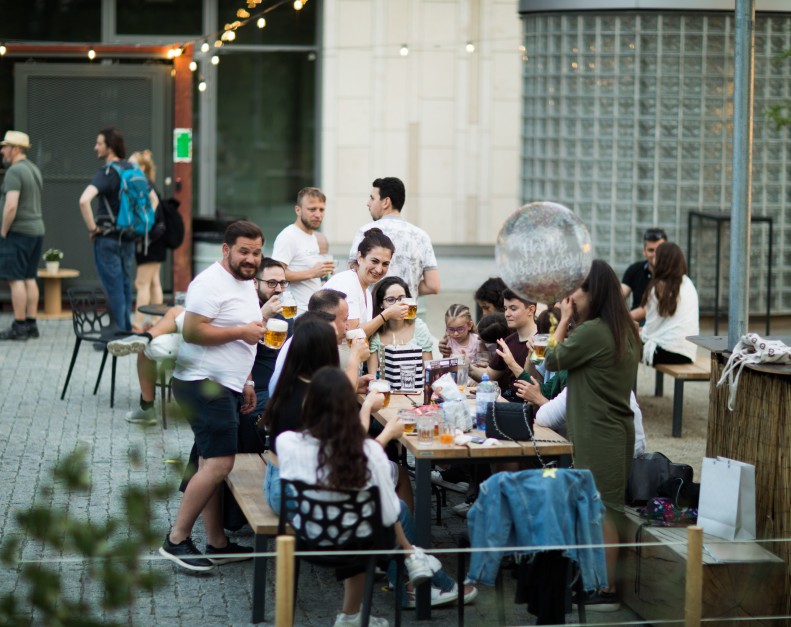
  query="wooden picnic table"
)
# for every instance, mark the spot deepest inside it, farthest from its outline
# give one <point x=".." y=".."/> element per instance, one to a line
<point x="547" y="443"/>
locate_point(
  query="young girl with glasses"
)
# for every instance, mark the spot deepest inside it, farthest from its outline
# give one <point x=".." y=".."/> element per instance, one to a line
<point x="461" y="337"/>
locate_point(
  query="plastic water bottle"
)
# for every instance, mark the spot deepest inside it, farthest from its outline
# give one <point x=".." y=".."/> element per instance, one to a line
<point x="486" y="394"/>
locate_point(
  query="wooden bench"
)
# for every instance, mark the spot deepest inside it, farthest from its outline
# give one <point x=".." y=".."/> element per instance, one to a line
<point x="699" y="370"/>
<point x="740" y="579"/>
<point x="246" y="482"/>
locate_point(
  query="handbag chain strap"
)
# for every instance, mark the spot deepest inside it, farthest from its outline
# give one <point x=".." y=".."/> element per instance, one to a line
<point x="529" y="430"/>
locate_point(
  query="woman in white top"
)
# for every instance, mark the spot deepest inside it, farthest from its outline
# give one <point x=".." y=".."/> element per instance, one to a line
<point x="671" y="310"/>
<point x="334" y="451"/>
<point x="373" y="261"/>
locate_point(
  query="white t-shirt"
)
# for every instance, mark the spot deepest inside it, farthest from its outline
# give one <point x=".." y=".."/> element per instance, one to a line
<point x="553" y="415"/>
<point x="299" y="251"/>
<point x="361" y="303"/>
<point x="413" y="254"/>
<point x="216" y="294"/>
<point x="298" y="455"/>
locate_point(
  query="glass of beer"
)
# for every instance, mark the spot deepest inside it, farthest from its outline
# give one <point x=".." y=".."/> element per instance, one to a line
<point x="382" y="387"/>
<point x="276" y="333"/>
<point x="447" y="431"/>
<point x="407" y="416"/>
<point x="411" y="313"/>
<point x="425" y="429"/>
<point x="353" y="335"/>
<point x="539" y="346"/>
<point x="289" y="304"/>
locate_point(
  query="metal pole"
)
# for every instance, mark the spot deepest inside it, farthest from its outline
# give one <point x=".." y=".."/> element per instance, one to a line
<point x="741" y="192"/>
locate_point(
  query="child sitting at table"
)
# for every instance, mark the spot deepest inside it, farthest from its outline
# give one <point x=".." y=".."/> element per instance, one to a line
<point x="460" y="336"/>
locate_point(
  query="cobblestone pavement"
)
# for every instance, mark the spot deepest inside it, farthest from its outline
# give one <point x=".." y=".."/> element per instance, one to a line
<point x="37" y="429"/>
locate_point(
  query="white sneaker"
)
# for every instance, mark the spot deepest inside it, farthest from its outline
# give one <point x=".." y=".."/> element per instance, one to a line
<point x="128" y="345"/>
<point x="461" y="487"/>
<point x="421" y="566"/>
<point x="355" y="620"/>
<point x="440" y="597"/>
<point x="141" y="416"/>
<point x="461" y="509"/>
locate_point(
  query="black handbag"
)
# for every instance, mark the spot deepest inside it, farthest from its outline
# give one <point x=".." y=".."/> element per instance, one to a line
<point x="648" y="472"/>
<point x="509" y="421"/>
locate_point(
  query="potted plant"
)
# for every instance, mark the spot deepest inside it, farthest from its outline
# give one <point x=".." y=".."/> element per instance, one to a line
<point x="52" y="257"/>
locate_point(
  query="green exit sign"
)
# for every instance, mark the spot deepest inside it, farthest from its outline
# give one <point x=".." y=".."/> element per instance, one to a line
<point x="182" y="145"/>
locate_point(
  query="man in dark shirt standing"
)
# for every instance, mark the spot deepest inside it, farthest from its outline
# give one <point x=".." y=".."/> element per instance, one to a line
<point x="114" y="253"/>
<point x="638" y="275"/>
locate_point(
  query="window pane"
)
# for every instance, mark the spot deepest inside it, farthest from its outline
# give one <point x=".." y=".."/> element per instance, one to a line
<point x="265" y="135"/>
<point x="57" y="20"/>
<point x="159" y="17"/>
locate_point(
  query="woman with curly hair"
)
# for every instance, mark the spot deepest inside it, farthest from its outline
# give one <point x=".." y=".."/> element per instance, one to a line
<point x="671" y="310"/>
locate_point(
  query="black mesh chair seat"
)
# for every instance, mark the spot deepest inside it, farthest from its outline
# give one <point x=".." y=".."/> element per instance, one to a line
<point x="326" y="519"/>
<point x="90" y="315"/>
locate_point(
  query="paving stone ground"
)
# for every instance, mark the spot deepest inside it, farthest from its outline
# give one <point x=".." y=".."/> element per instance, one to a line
<point x="37" y="429"/>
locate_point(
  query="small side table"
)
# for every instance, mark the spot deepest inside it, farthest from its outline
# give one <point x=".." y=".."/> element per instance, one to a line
<point x="53" y="293"/>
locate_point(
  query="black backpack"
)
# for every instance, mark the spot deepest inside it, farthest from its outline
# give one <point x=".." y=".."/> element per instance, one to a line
<point x="172" y="229"/>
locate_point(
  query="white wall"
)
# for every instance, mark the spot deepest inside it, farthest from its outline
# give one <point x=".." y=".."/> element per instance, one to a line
<point x="445" y="121"/>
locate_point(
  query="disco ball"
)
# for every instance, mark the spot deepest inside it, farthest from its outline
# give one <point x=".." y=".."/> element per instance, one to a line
<point x="543" y="252"/>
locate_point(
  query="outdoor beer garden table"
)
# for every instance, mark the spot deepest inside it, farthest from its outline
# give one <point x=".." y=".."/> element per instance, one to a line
<point x="547" y="442"/>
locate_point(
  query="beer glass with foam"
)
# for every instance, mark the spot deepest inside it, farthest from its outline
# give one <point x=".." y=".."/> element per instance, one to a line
<point x="276" y="333"/>
<point x="539" y="346"/>
<point x="382" y="387"/>
<point x="289" y="304"/>
<point x="411" y="313"/>
<point x="353" y="335"/>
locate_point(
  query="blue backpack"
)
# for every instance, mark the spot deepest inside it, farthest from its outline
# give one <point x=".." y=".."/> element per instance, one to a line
<point x="135" y="213"/>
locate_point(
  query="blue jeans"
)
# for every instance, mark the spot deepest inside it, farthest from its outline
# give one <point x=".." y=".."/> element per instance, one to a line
<point x="440" y="580"/>
<point x="114" y="259"/>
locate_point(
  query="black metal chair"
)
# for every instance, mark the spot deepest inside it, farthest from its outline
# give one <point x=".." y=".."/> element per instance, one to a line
<point x="324" y="519"/>
<point x="90" y="315"/>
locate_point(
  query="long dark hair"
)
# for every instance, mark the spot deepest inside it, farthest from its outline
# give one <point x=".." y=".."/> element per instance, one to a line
<point x="606" y="302"/>
<point x="670" y="266"/>
<point x="313" y="345"/>
<point x="381" y="289"/>
<point x="332" y="416"/>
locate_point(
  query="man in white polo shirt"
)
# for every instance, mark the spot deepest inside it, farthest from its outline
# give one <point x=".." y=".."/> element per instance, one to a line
<point x="212" y="384"/>
<point x="297" y="247"/>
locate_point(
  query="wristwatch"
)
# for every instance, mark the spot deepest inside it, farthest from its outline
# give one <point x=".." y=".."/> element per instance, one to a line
<point x="249" y="382"/>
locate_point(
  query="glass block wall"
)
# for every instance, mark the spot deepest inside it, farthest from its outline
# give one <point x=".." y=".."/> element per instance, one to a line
<point x="628" y="121"/>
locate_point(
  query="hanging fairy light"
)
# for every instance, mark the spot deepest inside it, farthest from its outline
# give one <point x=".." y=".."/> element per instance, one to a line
<point x="204" y="47"/>
<point x="215" y="59"/>
<point x="404" y="51"/>
<point x="3" y="50"/>
<point x="242" y="14"/>
<point x="201" y="85"/>
<point x="298" y="5"/>
<point x="91" y="54"/>
<point x="261" y="22"/>
<point x="218" y="43"/>
<point x="470" y="47"/>
<point x="193" y="66"/>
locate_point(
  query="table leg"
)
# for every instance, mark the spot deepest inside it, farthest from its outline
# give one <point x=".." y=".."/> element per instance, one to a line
<point x="259" y="578"/>
<point x="423" y="529"/>
<point x="678" y="407"/>
<point x="52" y="297"/>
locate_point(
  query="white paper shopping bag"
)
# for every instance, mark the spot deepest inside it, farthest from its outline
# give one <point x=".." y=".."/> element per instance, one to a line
<point x="727" y="499"/>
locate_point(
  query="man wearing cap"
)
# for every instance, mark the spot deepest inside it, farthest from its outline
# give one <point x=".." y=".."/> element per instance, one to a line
<point x="638" y="275"/>
<point x="21" y="234"/>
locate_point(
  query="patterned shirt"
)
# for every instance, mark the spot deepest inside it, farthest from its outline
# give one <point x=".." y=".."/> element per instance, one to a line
<point x="414" y="252"/>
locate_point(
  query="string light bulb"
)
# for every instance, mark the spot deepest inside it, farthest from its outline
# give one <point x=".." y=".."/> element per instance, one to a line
<point x="218" y="43"/>
<point x="177" y="51"/>
<point x="404" y="51"/>
<point x="261" y="22"/>
<point x="298" y="5"/>
<point x="470" y="47"/>
<point x="204" y="47"/>
<point x="91" y="54"/>
<point x="215" y="59"/>
<point x="201" y="85"/>
<point x="242" y="14"/>
<point x="193" y="66"/>
<point x="3" y="50"/>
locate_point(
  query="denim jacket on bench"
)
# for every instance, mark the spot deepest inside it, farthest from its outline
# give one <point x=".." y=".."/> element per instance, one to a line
<point x="537" y="508"/>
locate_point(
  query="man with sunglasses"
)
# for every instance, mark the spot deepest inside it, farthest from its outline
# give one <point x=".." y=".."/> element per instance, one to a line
<point x="638" y="275"/>
<point x="163" y="339"/>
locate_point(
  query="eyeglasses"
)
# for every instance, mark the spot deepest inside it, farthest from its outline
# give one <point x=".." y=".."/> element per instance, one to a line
<point x="272" y="284"/>
<point x="653" y="235"/>
<point x="392" y="300"/>
<point x="456" y="329"/>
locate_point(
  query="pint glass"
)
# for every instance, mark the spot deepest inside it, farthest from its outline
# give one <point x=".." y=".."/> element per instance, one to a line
<point x="276" y="333"/>
<point x="380" y="386"/>
<point x="411" y="314"/>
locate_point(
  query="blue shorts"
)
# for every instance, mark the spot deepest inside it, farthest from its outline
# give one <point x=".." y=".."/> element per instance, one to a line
<point x="213" y="413"/>
<point x="19" y="256"/>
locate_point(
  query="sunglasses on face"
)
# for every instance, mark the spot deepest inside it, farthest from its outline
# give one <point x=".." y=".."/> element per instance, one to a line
<point x="272" y="284"/>
<point x="392" y="300"/>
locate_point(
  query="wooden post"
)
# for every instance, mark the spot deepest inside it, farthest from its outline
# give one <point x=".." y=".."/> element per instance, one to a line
<point x="284" y="581"/>
<point x="692" y="602"/>
<point x="182" y="172"/>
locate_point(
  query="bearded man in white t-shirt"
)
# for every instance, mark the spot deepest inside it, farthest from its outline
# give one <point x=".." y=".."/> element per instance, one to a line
<point x="212" y="383"/>
<point x="297" y="247"/>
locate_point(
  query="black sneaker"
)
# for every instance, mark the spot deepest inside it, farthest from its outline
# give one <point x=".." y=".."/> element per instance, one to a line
<point x="186" y="555"/>
<point x="232" y="552"/>
<point x="601" y="601"/>
<point x="17" y="331"/>
<point x="32" y="329"/>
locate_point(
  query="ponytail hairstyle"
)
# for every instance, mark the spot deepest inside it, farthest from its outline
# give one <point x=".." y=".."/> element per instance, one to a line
<point x="669" y="270"/>
<point x="145" y="160"/>
<point x="332" y="416"/>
